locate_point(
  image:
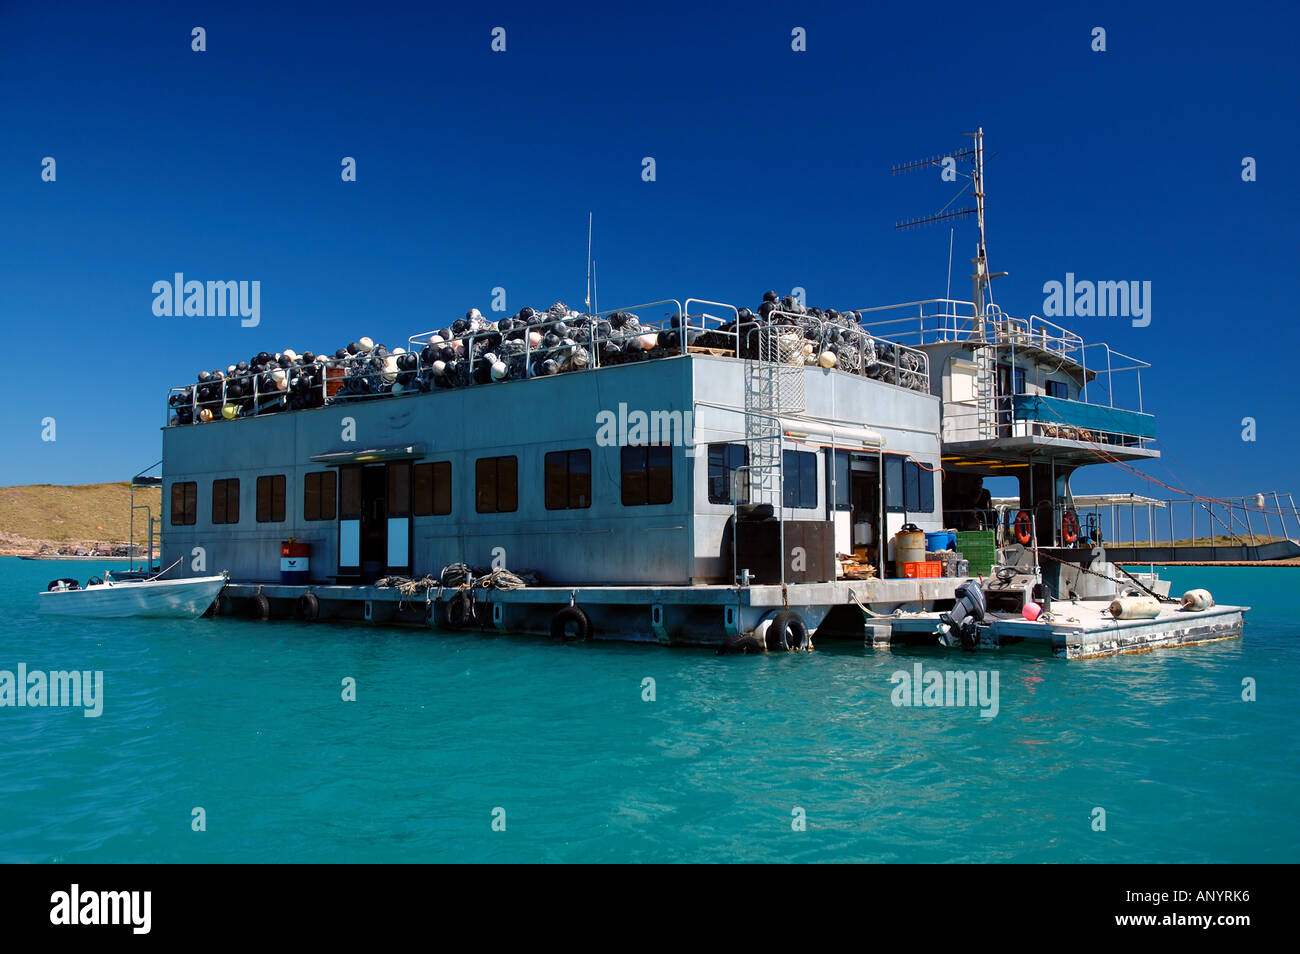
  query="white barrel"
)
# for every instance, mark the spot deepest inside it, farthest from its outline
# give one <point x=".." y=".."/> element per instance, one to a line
<point x="1135" y="607"/>
<point x="1196" y="600"/>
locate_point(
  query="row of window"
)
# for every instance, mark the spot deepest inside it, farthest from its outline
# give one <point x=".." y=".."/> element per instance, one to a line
<point x="424" y="490"/>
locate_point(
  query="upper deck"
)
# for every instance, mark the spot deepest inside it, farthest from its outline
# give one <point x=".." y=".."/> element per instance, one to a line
<point x="474" y="352"/>
<point x="1016" y="387"/>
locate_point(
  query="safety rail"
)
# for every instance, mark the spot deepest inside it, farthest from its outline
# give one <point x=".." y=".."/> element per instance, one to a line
<point x="532" y="348"/>
<point x="948" y="320"/>
<point x="1196" y="521"/>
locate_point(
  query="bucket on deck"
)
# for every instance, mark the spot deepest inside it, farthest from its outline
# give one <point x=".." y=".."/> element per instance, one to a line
<point x="295" y="562"/>
<point x="940" y="540"/>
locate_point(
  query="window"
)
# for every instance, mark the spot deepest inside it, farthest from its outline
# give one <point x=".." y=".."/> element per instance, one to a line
<point x="433" y="489"/>
<point x="724" y="461"/>
<point x="350" y="493"/>
<point x="842" y="497"/>
<point x="496" y="484"/>
<point x="1058" y="389"/>
<point x="319" y="491"/>
<point x="185" y="500"/>
<point x="909" y="486"/>
<point x="798" y="479"/>
<point x="398" y="502"/>
<point x="270" y="499"/>
<point x="568" y="480"/>
<point x="225" y="500"/>
<point x="647" y="475"/>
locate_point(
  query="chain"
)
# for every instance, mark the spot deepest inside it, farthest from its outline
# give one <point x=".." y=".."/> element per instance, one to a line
<point x="1140" y="585"/>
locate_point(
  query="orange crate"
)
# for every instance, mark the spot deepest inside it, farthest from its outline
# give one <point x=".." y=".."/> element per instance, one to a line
<point x="925" y="569"/>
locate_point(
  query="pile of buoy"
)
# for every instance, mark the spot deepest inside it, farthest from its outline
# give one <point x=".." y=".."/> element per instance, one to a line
<point x="474" y="350"/>
<point x="265" y="382"/>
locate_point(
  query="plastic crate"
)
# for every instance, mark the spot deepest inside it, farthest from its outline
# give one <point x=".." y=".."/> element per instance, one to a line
<point x="922" y="570"/>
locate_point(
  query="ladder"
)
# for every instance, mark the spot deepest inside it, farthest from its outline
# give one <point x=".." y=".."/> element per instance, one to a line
<point x="773" y="386"/>
<point x="986" y="392"/>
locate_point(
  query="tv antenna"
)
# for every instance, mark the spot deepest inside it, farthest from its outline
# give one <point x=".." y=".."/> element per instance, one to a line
<point x="587" y="300"/>
<point x="975" y="156"/>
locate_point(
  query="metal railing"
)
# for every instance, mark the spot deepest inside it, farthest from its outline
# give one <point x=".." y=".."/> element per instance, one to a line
<point x="1197" y="522"/>
<point x="430" y="362"/>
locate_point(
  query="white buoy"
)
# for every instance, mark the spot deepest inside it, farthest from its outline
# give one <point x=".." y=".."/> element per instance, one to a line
<point x="367" y="344"/>
<point x="1196" y="600"/>
<point x="440" y="367"/>
<point x="534" y="339"/>
<point x="827" y="360"/>
<point x="499" y="371"/>
<point x="648" y="341"/>
<point x="472" y="314"/>
<point x="390" y="369"/>
<point x="1134" y="607"/>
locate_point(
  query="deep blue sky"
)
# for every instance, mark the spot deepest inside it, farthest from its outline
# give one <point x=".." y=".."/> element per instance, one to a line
<point x="477" y="169"/>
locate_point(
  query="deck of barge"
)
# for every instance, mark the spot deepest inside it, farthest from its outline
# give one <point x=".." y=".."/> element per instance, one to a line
<point x="903" y="612"/>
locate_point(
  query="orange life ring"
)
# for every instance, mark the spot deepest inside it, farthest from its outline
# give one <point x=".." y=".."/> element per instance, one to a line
<point x="1070" y="527"/>
<point x="1024" y="527"/>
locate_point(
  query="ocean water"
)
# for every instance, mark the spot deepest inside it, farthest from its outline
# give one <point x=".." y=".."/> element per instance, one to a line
<point x="732" y="757"/>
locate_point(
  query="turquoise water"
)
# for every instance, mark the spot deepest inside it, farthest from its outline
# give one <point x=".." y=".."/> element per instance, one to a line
<point x="246" y="720"/>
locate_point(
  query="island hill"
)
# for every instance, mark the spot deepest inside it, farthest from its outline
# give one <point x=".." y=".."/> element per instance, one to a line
<point x="81" y="515"/>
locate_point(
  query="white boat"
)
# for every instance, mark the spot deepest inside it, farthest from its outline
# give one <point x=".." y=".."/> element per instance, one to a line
<point x="184" y="599"/>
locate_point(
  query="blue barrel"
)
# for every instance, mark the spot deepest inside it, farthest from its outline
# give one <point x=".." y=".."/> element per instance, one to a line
<point x="937" y="541"/>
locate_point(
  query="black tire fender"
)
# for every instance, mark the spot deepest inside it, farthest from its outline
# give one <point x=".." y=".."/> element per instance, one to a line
<point x="308" y="608"/>
<point x="742" y="645"/>
<point x="571" y="616"/>
<point x="260" y="606"/>
<point x="788" y="632"/>
<point x="460" y="609"/>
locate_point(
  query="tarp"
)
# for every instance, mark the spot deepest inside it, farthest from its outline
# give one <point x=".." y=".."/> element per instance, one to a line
<point x="1093" y="417"/>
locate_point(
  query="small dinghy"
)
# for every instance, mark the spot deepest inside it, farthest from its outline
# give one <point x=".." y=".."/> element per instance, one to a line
<point x="116" y="597"/>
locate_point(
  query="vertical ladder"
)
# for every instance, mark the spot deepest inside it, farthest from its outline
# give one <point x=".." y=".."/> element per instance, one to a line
<point x="986" y="392"/>
<point x="773" y="386"/>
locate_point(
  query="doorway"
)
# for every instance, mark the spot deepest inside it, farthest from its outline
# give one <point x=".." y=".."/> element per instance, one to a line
<point x="374" y="520"/>
<point x="865" y="507"/>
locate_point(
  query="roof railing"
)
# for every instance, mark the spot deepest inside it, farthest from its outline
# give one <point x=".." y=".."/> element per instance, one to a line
<point x="605" y="339"/>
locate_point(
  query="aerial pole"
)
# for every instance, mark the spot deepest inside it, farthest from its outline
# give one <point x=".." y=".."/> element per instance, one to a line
<point x="982" y="276"/>
<point x="588" y="298"/>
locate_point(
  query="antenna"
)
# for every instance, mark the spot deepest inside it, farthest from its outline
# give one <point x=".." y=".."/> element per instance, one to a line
<point x="595" y="296"/>
<point x="588" y="298"/>
<point x="975" y="154"/>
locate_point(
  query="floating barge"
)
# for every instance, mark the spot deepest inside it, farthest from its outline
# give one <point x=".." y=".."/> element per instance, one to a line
<point x="685" y="472"/>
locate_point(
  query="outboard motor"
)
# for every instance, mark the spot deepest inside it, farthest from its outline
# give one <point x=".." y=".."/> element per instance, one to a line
<point x="959" y="624"/>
